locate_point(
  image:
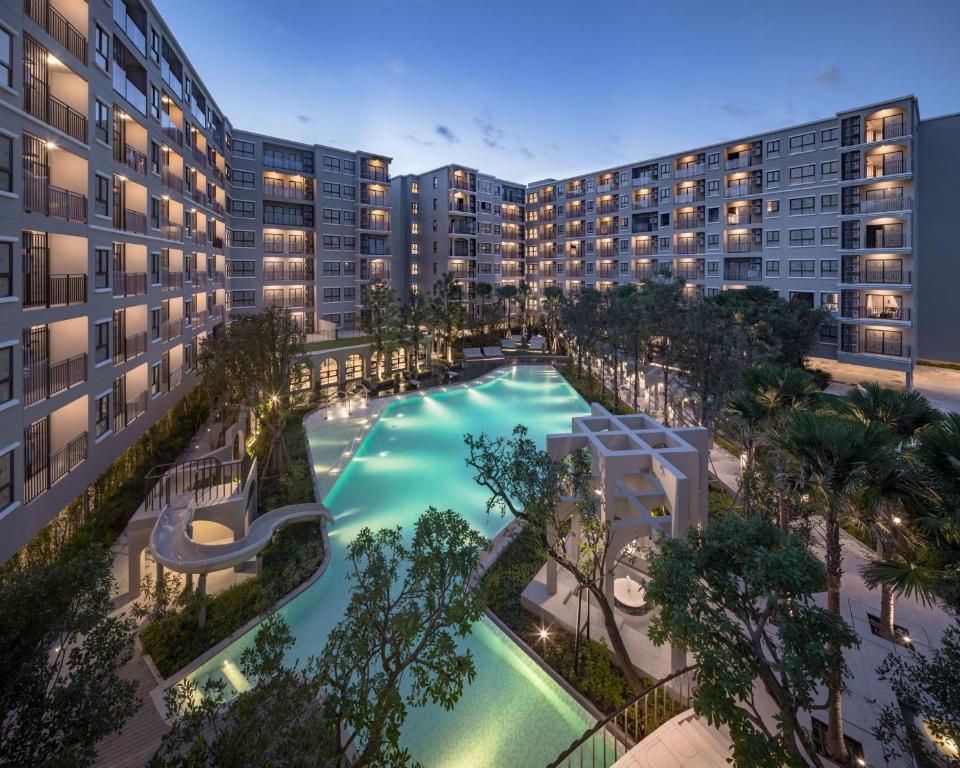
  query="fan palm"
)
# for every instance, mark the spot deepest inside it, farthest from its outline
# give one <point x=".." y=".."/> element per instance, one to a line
<point x="831" y="455"/>
<point x="902" y="411"/>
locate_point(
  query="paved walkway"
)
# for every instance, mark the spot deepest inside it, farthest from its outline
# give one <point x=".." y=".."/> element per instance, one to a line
<point x="940" y="385"/>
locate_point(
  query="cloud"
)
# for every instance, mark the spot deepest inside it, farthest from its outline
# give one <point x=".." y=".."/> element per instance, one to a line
<point x="831" y="76"/>
<point x="417" y="140"/>
<point x="735" y="109"/>
<point x="397" y="66"/>
<point x="446" y="134"/>
<point x="489" y="132"/>
<point x="526" y="153"/>
<point x="305" y="118"/>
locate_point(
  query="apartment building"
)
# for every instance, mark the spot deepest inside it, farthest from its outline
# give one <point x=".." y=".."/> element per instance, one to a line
<point x="309" y="225"/>
<point x="821" y="212"/>
<point x="112" y="202"/>
<point x="457" y="220"/>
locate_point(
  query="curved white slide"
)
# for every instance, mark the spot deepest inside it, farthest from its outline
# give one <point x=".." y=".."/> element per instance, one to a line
<point x="173" y="548"/>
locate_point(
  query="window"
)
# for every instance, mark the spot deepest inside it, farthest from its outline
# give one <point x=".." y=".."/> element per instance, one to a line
<point x="829" y="203"/>
<point x="331" y="216"/>
<point x="242" y="149"/>
<point x="155" y="157"/>
<point x="350" y="243"/>
<point x="773" y="268"/>
<point x="6" y="163"/>
<point x="773" y="207"/>
<point x="828" y="268"/>
<point x="103" y="415"/>
<point x="331" y="164"/>
<point x="6" y="374"/>
<point x="6" y="480"/>
<point x="155" y="323"/>
<point x="155" y="213"/>
<point x="804" y="142"/>
<point x="801" y="268"/>
<point x="713" y="242"/>
<point x="102" y="195"/>
<point x="240" y="239"/>
<point x="829" y="134"/>
<point x="773" y="238"/>
<point x="414" y="187"/>
<point x="829" y="236"/>
<point x="773" y="178"/>
<point x="155" y="102"/>
<point x="242" y="179"/>
<point x="101" y="48"/>
<point x="101" y="117"/>
<point x="155" y="379"/>
<point x="348" y="166"/>
<point x="242" y="298"/>
<point x="349" y="192"/>
<point x="6" y="269"/>
<point x="713" y="187"/>
<point x="155" y="46"/>
<point x="102" y="262"/>
<point x="6" y="58"/>
<point x="238" y="268"/>
<point x="803" y="174"/>
<point x="801" y="237"/>
<point x="829" y="333"/>
<point x="101" y="346"/>
<point x="802" y="206"/>
<point x="349" y="294"/>
<point x="713" y="268"/>
<point x="331" y="243"/>
<point x="242" y="209"/>
<point x="349" y="217"/>
<point x="331" y="294"/>
<point x="773" y="147"/>
<point x="830" y="168"/>
<point x="713" y="215"/>
<point x="713" y="160"/>
<point x="331" y="269"/>
<point x="330" y="189"/>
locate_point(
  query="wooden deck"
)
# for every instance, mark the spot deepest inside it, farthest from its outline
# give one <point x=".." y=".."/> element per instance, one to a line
<point x="133" y="746"/>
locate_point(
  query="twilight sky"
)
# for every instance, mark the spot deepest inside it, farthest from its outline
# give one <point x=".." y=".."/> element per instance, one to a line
<point x="527" y="89"/>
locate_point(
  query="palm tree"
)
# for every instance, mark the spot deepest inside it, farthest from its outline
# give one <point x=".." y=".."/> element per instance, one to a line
<point x="483" y="291"/>
<point x="379" y="319"/>
<point x="770" y="393"/>
<point x="892" y="485"/>
<point x="448" y="313"/>
<point x="506" y="293"/>
<point x="552" y="298"/>
<point x="414" y="319"/>
<point x="523" y="292"/>
<point x="831" y="455"/>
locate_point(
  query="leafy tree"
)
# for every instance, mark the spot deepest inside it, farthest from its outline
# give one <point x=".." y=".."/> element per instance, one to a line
<point x="830" y="455"/>
<point x="524" y="289"/>
<point x="414" y="324"/>
<point x="552" y="300"/>
<point x="506" y="295"/>
<point x="739" y="597"/>
<point x="397" y="645"/>
<point x="661" y="306"/>
<point x="484" y="291"/>
<point x="583" y="321"/>
<point x="449" y="315"/>
<point x="254" y="365"/>
<point x="395" y="648"/>
<point x="380" y="320"/>
<point x="60" y="652"/>
<point x="529" y="484"/>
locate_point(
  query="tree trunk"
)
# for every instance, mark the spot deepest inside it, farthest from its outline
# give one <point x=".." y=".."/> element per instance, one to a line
<point x="616" y="640"/>
<point x="836" y="748"/>
<point x="616" y="380"/>
<point x="666" y="394"/>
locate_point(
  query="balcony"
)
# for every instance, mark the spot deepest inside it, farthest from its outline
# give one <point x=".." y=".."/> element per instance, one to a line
<point x="688" y="271"/>
<point x="378" y="173"/>
<point x="644" y="249"/>
<point x="646" y="272"/>
<point x="130" y="221"/>
<point x="884" y="347"/>
<point x="170" y="129"/>
<point x="171" y="231"/>
<point x="45" y="290"/>
<point x="294" y="272"/>
<point x="39" y="102"/>
<point x="125" y="85"/>
<point x="41" y="472"/>
<point x="575" y="192"/>
<point x="885" y="205"/>
<point x="40" y="196"/>
<point x="470" y="228"/>
<point x="689" y="221"/>
<point x="688" y="247"/>
<point x="880" y="237"/>
<point x="747" y="244"/>
<point x="171" y="329"/>
<point x="605" y="271"/>
<point x="129" y="283"/>
<point x="279" y="190"/>
<point x="742" y="161"/>
<point x="885" y="128"/>
<point x="690" y="196"/>
<point x="199" y="156"/>
<point x="130" y="347"/>
<point x="375" y="224"/>
<point x="137" y="407"/>
<point x="136" y="35"/>
<point x="171" y="180"/>
<point x="738" y="217"/>
<point x="217" y="279"/>
<point x="878" y="167"/>
<point x="644" y="202"/>
<point x="171" y="281"/>
<point x="644" y="179"/>
<point x="374" y="197"/>
<point x="42" y="380"/>
<point x="893" y="314"/>
<point x="689" y="170"/>
<point x="55" y="23"/>
<point x="894" y="275"/>
<point x="460" y="273"/>
<point x="742" y="190"/>
<point x="133" y="158"/>
<point x="743" y="271"/>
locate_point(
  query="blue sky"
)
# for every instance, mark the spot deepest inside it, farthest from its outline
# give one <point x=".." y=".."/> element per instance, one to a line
<point x="527" y="89"/>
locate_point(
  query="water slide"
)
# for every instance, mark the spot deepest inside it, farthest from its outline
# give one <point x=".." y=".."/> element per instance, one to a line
<point x="173" y="547"/>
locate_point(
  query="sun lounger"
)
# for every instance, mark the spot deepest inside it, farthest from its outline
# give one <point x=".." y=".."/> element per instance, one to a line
<point x="506" y="344"/>
<point x="473" y="353"/>
<point x="492" y="353"/>
<point x="537" y="344"/>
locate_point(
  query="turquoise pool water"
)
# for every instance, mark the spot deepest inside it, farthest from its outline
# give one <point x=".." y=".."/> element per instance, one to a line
<point x="413" y="457"/>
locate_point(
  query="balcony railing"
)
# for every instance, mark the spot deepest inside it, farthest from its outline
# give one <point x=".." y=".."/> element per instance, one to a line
<point x="278" y="190"/>
<point x="199" y="156"/>
<point x="886" y="204"/>
<point x="171" y="180"/>
<point x="171" y="280"/>
<point x="740" y="218"/>
<point x="135" y="159"/>
<point x="575" y="192"/>
<point x="644" y="202"/>
<point x="218" y="313"/>
<point x="688" y="271"/>
<point x="689" y="171"/>
<point x="39" y="196"/>
<point x="375" y="173"/>
<point x="129" y="283"/>
<point x="43" y="379"/>
<point x="198" y="237"/>
<point x="375" y="225"/>
<point x="742" y="190"/>
<point x="684" y="248"/>
<point x="744" y="246"/>
<point x="45" y="106"/>
<point x="644" y="179"/>
<point x="644" y="273"/>
<point x="47" y="16"/>
<point x="41" y="476"/>
<point x="876" y="313"/>
<point x="885" y="168"/>
<point x="45" y="290"/>
<point x="742" y="273"/>
<point x="744" y="161"/>
<point x="882" y="239"/>
<point x="171" y="329"/>
<point x="644" y="249"/>
<point x="130" y="221"/>
<point x="133" y="346"/>
<point x="171" y="231"/>
<point x="170" y="130"/>
<point x="878" y="130"/>
<point x="876" y="347"/>
<point x="136" y="407"/>
<point x="692" y="196"/>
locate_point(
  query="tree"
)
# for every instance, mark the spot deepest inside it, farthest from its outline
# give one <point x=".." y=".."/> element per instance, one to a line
<point x="528" y="483"/>
<point x="60" y="652"/>
<point x="830" y="455"/>
<point x="552" y="300"/>
<point x="506" y="294"/>
<point x="523" y="297"/>
<point x="484" y="291"/>
<point x="448" y="313"/>
<point x="739" y="597"/>
<point x="380" y="320"/>
<point x="414" y="321"/>
<point x="582" y="319"/>
<point x="396" y="647"/>
<point x="254" y="365"/>
<point x="661" y="305"/>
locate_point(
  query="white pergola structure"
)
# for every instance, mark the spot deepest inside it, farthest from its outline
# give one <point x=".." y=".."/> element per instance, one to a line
<point x="650" y="479"/>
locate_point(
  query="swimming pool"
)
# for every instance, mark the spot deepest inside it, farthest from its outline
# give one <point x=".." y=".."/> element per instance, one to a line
<point x="513" y="714"/>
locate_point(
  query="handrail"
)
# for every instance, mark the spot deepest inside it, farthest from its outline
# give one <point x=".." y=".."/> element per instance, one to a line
<point x="633" y="729"/>
<point x="207" y="477"/>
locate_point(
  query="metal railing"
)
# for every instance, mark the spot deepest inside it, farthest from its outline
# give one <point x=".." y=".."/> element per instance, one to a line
<point x="54" y="112"/>
<point x="374" y="173"/>
<point x="882" y="205"/>
<point x="171" y="280"/>
<point x="43" y="379"/>
<point x="135" y="159"/>
<point x="615" y="735"/>
<point x="885" y="168"/>
<point x="39" y="196"/>
<point x="55" y="23"/>
<point x="130" y="221"/>
<point x="689" y="171"/>
<point x="129" y="283"/>
<point x="136" y="407"/>
<point x="208" y="478"/>
<point x="45" y="290"/>
<point x="878" y="130"/>
<point x="882" y="239"/>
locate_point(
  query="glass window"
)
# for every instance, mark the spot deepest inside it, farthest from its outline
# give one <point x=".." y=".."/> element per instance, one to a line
<point x="101" y="342"/>
<point x="6" y="374"/>
<point x="6" y="268"/>
<point x="6" y="58"/>
<point x="101" y="48"/>
<point x="773" y="147"/>
<point x="801" y="268"/>
<point x="6" y="163"/>
<point x="801" y="206"/>
<point x="102" y="260"/>
<point x="6" y="480"/>
<point x="102" y="122"/>
<point x="103" y="415"/>
<point x="803" y="142"/>
<point x="242" y="149"/>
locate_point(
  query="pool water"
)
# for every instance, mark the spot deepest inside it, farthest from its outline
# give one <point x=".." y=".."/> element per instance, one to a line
<point x="513" y="714"/>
